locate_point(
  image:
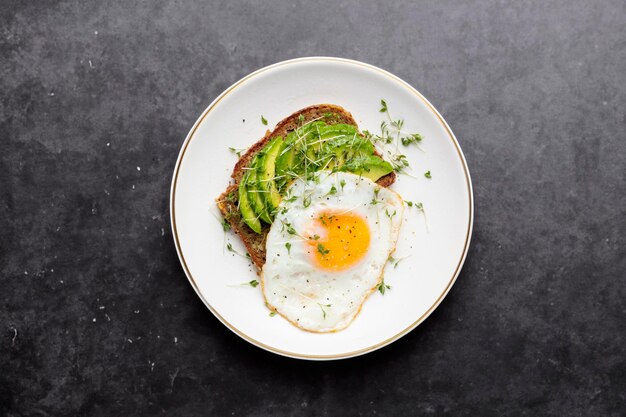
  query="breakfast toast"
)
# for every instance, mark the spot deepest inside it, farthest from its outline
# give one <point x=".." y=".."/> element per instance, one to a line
<point x="228" y="201"/>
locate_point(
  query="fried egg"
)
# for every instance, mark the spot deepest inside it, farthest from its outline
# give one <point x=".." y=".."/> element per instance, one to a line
<point x="327" y="249"/>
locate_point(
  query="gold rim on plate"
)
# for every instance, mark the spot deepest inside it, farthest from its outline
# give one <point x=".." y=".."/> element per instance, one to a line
<point x="358" y="352"/>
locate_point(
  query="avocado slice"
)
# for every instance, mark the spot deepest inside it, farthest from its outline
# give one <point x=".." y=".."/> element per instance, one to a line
<point x="249" y="217"/>
<point x="254" y="196"/>
<point x="286" y="159"/>
<point x="309" y="148"/>
<point x="265" y="175"/>
<point x="345" y="143"/>
<point x="328" y="131"/>
<point x="372" y="167"/>
<point x="326" y="146"/>
<point x="290" y="156"/>
<point x="322" y="133"/>
<point x="347" y="147"/>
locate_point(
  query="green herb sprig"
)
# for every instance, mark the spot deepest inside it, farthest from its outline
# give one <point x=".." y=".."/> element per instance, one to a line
<point x="390" y="132"/>
<point x="382" y="287"/>
<point x="420" y="208"/>
<point x="323" y="309"/>
<point x="415" y="138"/>
<point x="394" y="261"/>
<point x="237" y="151"/>
<point x="230" y="248"/>
<point x="321" y="249"/>
<point x="375" y="199"/>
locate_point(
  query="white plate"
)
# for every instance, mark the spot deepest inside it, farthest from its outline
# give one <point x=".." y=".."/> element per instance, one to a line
<point x="434" y="247"/>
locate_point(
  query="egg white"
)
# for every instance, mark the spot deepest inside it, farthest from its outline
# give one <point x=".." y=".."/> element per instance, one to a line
<point x="312" y="298"/>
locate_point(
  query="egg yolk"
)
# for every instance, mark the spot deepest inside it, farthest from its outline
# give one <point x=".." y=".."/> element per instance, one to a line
<point x="338" y="240"/>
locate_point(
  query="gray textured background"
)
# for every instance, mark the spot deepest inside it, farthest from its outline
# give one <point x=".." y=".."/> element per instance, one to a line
<point x="96" y="315"/>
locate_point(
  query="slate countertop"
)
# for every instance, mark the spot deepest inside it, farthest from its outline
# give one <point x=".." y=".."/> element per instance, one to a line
<point x="96" y="315"/>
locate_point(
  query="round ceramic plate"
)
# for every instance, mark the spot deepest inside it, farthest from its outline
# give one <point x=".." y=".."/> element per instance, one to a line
<point x="432" y="243"/>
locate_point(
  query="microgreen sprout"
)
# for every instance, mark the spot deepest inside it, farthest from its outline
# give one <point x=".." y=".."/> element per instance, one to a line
<point x="383" y="106"/>
<point x="288" y="227"/>
<point x="225" y="225"/>
<point x="230" y="248"/>
<point x="420" y="208"/>
<point x="414" y="138"/>
<point x="382" y="287"/>
<point x="306" y="200"/>
<point x="323" y="310"/>
<point x="375" y="198"/>
<point x="394" y="261"/>
<point x="321" y="249"/>
<point x="390" y="132"/>
<point x="237" y="151"/>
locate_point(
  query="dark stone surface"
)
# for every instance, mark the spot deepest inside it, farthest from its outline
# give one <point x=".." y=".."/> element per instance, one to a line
<point x="96" y="315"/>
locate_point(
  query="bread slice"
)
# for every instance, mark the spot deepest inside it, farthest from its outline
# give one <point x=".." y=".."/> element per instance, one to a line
<point x="227" y="202"/>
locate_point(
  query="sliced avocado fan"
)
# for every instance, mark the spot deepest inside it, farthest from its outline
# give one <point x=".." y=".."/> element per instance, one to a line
<point x="310" y="148"/>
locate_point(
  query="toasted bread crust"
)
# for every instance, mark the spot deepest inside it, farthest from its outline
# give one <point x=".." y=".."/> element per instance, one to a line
<point x="227" y="201"/>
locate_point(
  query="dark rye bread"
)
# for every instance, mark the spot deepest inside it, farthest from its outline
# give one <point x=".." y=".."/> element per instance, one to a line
<point x="227" y="202"/>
